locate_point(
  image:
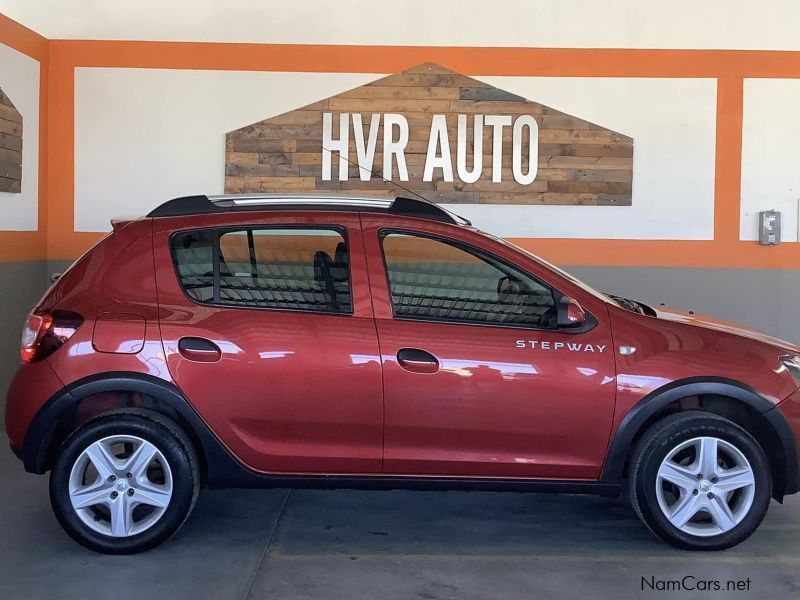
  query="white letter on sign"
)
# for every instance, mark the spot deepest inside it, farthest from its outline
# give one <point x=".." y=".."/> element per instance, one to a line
<point x="533" y="149"/>
<point x="329" y="145"/>
<point x="497" y="122"/>
<point x="397" y="148"/>
<point x="365" y="156"/>
<point x="464" y="174"/>
<point x="438" y="137"/>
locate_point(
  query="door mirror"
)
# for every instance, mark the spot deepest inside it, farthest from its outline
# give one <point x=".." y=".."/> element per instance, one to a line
<point x="570" y="313"/>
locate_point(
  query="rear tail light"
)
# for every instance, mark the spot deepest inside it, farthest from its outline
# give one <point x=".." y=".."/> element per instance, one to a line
<point x="45" y="332"/>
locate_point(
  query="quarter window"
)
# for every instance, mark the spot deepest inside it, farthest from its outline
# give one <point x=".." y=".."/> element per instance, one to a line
<point x="438" y="280"/>
<point x="289" y="269"/>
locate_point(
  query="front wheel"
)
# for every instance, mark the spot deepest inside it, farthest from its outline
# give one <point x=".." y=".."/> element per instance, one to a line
<point x="124" y="483"/>
<point x="700" y="482"/>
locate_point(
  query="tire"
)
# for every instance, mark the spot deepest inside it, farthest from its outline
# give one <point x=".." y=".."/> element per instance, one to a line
<point x="665" y="483"/>
<point x="121" y="514"/>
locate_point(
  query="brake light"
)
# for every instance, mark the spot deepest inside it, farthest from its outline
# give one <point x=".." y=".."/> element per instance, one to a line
<point x="44" y="333"/>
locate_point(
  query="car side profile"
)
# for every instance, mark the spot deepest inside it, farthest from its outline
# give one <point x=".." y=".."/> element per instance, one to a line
<point x="347" y="342"/>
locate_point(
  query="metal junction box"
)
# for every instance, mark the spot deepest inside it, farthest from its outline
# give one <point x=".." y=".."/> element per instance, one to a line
<point x="769" y="227"/>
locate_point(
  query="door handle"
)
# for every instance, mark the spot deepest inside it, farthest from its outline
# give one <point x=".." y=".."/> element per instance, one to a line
<point x="199" y="349"/>
<point x="417" y="361"/>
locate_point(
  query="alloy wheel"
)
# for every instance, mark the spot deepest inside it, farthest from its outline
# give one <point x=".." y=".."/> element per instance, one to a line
<point x="120" y="485"/>
<point x="705" y="486"/>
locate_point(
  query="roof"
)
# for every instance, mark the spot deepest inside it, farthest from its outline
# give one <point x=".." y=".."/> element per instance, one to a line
<point x="409" y="207"/>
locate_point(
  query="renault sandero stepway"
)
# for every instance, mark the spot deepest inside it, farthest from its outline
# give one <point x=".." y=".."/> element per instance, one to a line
<point x="310" y="341"/>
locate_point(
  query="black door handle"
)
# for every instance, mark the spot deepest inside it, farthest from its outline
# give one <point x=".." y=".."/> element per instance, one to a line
<point x="199" y="349"/>
<point x="417" y="361"/>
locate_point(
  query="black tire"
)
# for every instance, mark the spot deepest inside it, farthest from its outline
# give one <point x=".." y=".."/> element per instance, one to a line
<point x="176" y="448"/>
<point x="666" y="435"/>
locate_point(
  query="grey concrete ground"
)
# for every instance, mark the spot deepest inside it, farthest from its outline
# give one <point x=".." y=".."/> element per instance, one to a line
<point x="423" y="545"/>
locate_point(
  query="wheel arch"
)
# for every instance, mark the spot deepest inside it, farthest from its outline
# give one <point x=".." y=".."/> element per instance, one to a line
<point x="88" y="398"/>
<point x="725" y="397"/>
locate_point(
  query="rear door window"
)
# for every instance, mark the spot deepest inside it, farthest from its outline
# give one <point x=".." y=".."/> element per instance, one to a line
<point x="285" y="269"/>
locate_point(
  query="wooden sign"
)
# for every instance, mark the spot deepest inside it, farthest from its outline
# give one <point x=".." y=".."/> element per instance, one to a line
<point x="440" y="134"/>
<point x="10" y="146"/>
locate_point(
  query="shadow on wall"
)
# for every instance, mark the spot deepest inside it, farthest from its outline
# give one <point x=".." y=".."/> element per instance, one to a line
<point x="22" y="283"/>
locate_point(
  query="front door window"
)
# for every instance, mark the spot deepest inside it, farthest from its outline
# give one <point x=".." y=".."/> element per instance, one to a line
<point x="436" y="280"/>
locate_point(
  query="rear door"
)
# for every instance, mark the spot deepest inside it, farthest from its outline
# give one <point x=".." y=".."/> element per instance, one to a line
<point x="267" y="328"/>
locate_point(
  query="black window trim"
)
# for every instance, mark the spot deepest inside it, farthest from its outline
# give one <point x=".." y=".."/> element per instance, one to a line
<point x="591" y="321"/>
<point x="218" y="231"/>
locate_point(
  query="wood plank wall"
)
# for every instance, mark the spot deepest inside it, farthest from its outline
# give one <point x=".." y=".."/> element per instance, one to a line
<point x="10" y="146"/>
<point x="580" y="163"/>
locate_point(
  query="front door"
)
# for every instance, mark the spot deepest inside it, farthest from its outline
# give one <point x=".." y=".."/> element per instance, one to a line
<point x="268" y="331"/>
<point x="478" y="380"/>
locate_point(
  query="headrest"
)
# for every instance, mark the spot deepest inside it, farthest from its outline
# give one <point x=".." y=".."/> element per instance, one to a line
<point x="340" y="256"/>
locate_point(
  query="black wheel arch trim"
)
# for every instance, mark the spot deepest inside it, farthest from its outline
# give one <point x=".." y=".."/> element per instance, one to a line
<point x="37" y="442"/>
<point x="620" y="446"/>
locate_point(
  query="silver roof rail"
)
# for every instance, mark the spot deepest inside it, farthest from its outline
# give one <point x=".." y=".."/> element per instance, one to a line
<point x="398" y="205"/>
<point x="256" y="200"/>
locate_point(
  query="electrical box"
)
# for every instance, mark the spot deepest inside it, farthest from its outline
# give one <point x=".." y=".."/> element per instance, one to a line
<point x="769" y="227"/>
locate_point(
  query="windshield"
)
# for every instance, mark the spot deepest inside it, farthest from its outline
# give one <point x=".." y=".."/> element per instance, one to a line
<point x="552" y="267"/>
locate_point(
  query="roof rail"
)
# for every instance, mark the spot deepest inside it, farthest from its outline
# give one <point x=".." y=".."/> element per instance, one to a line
<point x="412" y="207"/>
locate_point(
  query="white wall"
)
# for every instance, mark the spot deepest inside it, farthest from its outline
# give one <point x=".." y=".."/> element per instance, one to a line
<point x="143" y="136"/>
<point x="771" y="155"/>
<point x="19" y="79"/>
<point x="736" y="24"/>
<point x="673" y="125"/>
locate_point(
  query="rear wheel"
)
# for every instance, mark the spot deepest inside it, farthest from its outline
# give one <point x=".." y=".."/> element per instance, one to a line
<point x="700" y="482"/>
<point x="124" y="483"/>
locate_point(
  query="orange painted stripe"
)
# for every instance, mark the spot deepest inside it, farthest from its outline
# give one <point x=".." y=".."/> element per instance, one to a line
<point x="44" y="148"/>
<point x="21" y="245"/>
<point x="728" y="167"/>
<point x="729" y="67"/>
<point x="22" y="39"/>
<point x="556" y="62"/>
<point x="663" y="253"/>
<point x="62" y="241"/>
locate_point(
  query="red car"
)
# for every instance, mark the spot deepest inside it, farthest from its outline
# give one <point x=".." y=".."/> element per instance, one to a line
<point x="309" y="341"/>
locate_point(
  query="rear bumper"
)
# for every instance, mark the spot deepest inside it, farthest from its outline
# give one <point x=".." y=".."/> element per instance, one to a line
<point x="33" y="385"/>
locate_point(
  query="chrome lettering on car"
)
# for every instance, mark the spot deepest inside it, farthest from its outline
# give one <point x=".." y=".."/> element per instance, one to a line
<point x="568" y="346"/>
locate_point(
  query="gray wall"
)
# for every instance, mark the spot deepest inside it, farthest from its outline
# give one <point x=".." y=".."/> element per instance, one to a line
<point x="21" y="285"/>
<point x="766" y="299"/>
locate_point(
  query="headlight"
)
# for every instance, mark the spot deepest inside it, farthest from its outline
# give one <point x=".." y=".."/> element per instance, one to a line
<point x="792" y="364"/>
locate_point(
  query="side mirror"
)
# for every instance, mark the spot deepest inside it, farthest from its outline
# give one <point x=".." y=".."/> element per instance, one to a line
<point x="570" y="313"/>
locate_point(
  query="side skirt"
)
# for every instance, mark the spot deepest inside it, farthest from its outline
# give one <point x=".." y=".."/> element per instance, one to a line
<point x="248" y="479"/>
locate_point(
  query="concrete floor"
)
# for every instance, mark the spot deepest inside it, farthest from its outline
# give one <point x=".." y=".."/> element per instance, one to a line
<point x="342" y="544"/>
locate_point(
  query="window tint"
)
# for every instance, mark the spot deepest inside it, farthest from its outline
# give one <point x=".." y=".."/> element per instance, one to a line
<point x="437" y="280"/>
<point x="292" y="269"/>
